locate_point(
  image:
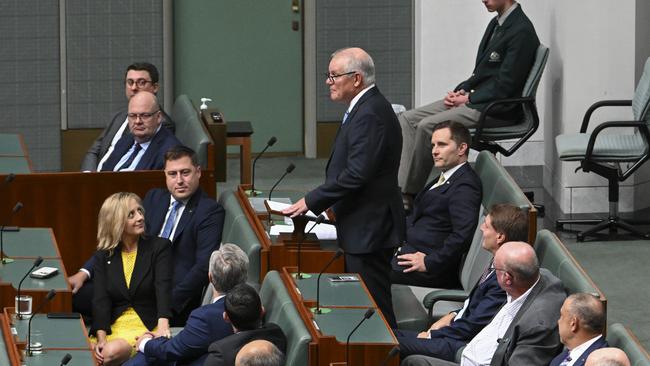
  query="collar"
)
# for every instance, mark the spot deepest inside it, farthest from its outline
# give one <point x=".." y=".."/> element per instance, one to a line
<point x="449" y="172"/>
<point x="502" y="18"/>
<point x="172" y="200"/>
<point x="576" y="352"/>
<point x="218" y="298"/>
<point x="522" y="298"/>
<point x="357" y="97"/>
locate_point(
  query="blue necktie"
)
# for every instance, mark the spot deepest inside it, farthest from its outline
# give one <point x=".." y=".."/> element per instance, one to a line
<point x="345" y="117"/>
<point x="169" y="225"/>
<point x="129" y="161"/>
<point x="566" y="360"/>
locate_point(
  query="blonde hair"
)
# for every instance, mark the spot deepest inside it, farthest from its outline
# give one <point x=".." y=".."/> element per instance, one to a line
<point x="112" y="219"/>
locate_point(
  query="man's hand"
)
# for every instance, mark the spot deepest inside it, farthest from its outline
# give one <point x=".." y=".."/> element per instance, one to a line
<point x="443" y="322"/>
<point x="145" y="335"/>
<point x="424" y="335"/>
<point x="77" y="280"/>
<point x="455" y="99"/>
<point x="163" y="328"/>
<point x="296" y="209"/>
<point x="414" y="262"/>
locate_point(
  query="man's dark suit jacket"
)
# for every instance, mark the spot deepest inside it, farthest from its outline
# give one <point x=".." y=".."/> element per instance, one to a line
<point x="189" y="347"/>
<point x="223" y="352"/>
<point x="485" y="300"/>
<point x="533" y="338"/>
<point x="197" y="235"/>
<point x="600" y="343"/>
<point x="442" y="226"/>
<point x="361" y="178"/>
<point x="149" y="290"/>
<point x="502" y="64"/>
<point x="101" y="144"/>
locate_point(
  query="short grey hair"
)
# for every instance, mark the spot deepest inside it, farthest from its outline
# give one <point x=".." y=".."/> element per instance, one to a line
<point x="273" y="358"/>
<point x="589" y="309"/>
<point x="228" y="267"/>
<point x="363" y="65"/>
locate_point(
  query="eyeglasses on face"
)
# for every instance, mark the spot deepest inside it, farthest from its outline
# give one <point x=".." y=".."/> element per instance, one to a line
<point x="140" y="83"/>
<point x="143" y="116"/>
<point x="332" y="77"/>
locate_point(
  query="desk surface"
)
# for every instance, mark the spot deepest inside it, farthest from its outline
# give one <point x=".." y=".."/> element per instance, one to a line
<point x="14" y="164"/>
<point x="30" y="243"/>
<point x="14" y="272"/>
<point x="54" y="333"/>
<point x="52" y="357"/>
<point x="334" y="293"/>
<point x="10" y="145"/>
<point x="340" y="322"/>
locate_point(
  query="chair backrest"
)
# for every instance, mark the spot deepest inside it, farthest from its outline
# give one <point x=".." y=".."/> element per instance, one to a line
<point x="238" y="231"/>
<point x="555" y="257"/>
<point x="190" y="130"/>
<point x="476" y="258"/>
<point x="641" y="100"/>
<point x="536" y="70"/>
<point x="620" y="337"/>
<point x="281" y="311"/>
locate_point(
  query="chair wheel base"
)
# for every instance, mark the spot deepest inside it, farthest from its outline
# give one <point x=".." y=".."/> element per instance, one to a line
<point x="610" y="223"/>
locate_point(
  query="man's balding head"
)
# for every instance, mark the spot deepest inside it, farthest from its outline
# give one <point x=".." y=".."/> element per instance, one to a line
<point x="259" y="353"/>
<point x="144" y="116"/>
<point x="610" y="356"/>
<point x="517" y="267"/>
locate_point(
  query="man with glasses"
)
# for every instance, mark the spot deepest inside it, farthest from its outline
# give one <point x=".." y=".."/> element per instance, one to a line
<point x="361" y="176"/>
<point x="140" y="76"/>
<point x="145" y="147"/>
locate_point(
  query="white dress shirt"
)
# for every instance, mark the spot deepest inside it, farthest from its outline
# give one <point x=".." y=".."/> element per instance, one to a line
<point x="179" y="213"/>
<point x="575" y="353"/>
<point x="114" y="141"/>
<point x="356" y="98"/>
<point x="448" y="173"/>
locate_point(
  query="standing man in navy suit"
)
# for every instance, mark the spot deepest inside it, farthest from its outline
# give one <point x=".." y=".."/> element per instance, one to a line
<point x="581" y="325"/>
<point x="361" y="176"/>
<point x="445" y="214"/>
<point x="194" y="227"/>
<point x="453" y="331"/>
<point x="503" y="61"/>
<point x="144" y="148"/>
<point x="206" y="324"/>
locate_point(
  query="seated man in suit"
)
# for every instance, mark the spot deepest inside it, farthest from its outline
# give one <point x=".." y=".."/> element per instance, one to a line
<point x="245" y="312"/>
<point x="581" y="325"/>
<point x="610" y="356"/>
<point x="446" y="336"/>
<point x="192" y="221"/>
<point x="228" y="268"/>
<point x="140" y="76"/>
<point x="445" y="214"/>
<point x="524" y="331"/>
<point x="503" y="61"/>
<point x="145" y="147"/>
<point x="259" y="353"/>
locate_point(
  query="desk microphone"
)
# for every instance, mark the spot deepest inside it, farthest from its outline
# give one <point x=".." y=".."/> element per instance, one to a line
<point x="49" y="297"/>
<point x="8" y="179"/>
<point x="367" y="315"/>
<point x="393" y="351"/>
<point x="270" y="143"/>
<point x="319" y="219"/>
<point x="289" y="169"/>
<point x="4" y="228"/>
<point x="37" y="263"/>
<point x="317" y="309"/>
<point x="66" y="359"/>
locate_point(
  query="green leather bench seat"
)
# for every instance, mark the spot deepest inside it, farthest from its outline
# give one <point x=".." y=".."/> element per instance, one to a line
<point x="189" y="128"/>
<point x="281" y="311"/>
<point x="620" y="337"/>
<point x="237" y="230"/>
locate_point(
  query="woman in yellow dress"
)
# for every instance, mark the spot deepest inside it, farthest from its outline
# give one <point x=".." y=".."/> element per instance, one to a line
<point x="132" y="292"/>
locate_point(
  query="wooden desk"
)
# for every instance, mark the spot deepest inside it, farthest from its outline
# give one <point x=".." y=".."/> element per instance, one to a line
<point x="277" y="253"/>
<point x="239" y="133"/>
<point x="369" y="345"/>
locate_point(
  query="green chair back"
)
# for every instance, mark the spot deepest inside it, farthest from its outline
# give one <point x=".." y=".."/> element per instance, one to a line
<point x="641" y="100"/>
<point x="620" y="337"/>
<point x="190" y="130"/>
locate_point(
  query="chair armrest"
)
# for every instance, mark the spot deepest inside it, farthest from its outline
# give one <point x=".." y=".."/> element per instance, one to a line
<point x="446" y="295"/>
<point x="602" y="103"/>
<point x="481" y="121"/>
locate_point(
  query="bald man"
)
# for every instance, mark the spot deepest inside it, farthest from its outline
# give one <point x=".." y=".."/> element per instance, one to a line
<point x="145" y="147"/>
<point x="361" y="176"/>
<point x="610" y="356"/>
<point x="259" y="353"/>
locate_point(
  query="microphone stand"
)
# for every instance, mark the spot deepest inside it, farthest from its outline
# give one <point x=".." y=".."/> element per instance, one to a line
<point x="49" y="297"/>
<point x="367" y="315"/>
<point x="317" y="309"/>
<point x="299" y="275"/>
<point x="37" y="263"/>
<point x="3" y="259"/>
<point x="289" y="169"/>
<point x="252" y="192"/>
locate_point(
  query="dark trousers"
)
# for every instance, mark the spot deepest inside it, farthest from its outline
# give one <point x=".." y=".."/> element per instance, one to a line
<point x="374" y="269"/>
<point x="443" y="348"/>
<point x="424" y="279"/>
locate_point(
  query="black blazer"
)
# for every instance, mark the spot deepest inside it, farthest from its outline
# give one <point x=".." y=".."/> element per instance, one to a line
<point x="100" y="146"/>
<point x="443" y="221"/>
<point x="197" y="235"/>
<point x="600" y="343"/>
<point x="503" y="64"/>
<point x="223" y="352"/>
<point x="361" y="178"/>
<point x="149" y="291"/>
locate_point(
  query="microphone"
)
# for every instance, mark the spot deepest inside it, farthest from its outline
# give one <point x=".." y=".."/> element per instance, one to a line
<point x="289" y="169"/>
<point x="393" y="351"/>
<point x="66" y="359"/>
<point x="8" y="179"/>
<point x="3" y="228"/>
<point x="319" y="220"/>
<point x="270" y="143"/>
<point x="367" y="315"/>
<point x="37" y="263"/>
<point x="317" y="309"/>
<point x="49" y="297"/>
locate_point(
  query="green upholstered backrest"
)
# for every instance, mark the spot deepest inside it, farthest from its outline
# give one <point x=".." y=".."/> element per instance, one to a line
<point x="498" y="186"/>
<point x="620" y="337"/>
<point x="190" y="130"/>
<point x="535" y="74"/>
<point x="281" y="311"/>
<point x="477" y="257"/>
<point x="641" y="100"/>
<point x="237" y="230"/>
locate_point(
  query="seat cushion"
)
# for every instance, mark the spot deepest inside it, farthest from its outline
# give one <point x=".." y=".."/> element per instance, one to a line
<point x="614" y="148"/>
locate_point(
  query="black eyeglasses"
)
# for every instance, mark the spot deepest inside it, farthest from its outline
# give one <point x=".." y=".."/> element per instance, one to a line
<point x="143" y="116"/>
<point x="140" y="83"/>
<point x="332" y="77"/>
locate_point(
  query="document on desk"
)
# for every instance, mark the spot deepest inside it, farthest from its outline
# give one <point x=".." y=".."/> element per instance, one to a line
<point x="279" y="206"/>
<point x="322" y="231"/>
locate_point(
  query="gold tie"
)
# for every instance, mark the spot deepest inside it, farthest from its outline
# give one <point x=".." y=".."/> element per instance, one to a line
<point x="441" y="180"/>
